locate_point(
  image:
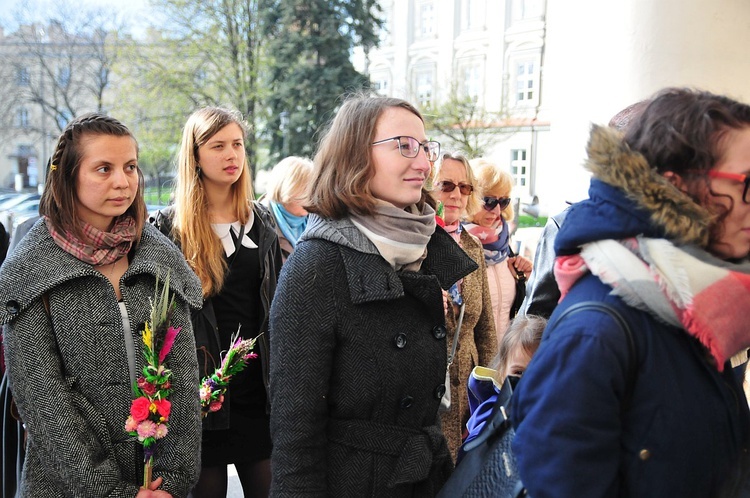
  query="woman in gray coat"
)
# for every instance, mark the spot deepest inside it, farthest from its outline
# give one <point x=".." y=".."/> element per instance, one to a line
<point x="358" y="336"/>
<point x="75" y="295"/>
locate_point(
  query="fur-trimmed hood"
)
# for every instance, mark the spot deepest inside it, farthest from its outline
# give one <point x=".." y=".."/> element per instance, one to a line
<point x="627" y="197"/>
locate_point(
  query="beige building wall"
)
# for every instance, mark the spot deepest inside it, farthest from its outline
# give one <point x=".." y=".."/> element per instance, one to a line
<point x="602" y="55"/>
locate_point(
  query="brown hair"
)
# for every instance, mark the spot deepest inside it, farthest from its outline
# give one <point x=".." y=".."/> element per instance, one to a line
<point x="490" y="177"/>
<point x="524" y="331"/>
<point x="681" y="131"/>
<point x="59" y="199"/>
<point x="343" y="165"/>
<point x="200" y="244"/>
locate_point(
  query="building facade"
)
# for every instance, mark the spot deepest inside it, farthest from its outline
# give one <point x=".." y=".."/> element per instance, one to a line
<point x="488" y="50"/>
<point x="48" y="75"/>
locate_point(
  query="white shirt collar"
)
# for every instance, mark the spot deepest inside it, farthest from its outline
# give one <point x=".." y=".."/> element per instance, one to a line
<point x="223" y="231"/>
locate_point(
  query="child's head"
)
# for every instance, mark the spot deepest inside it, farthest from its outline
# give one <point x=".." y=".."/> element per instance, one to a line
<point x="93" y="176"/>
<point x="519" y="344"/>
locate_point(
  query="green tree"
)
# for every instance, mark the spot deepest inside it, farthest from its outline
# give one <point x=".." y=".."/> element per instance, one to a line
<point x="462" y="123"/>
<point x="310" y="43"/>
<point x="204" y="53"/>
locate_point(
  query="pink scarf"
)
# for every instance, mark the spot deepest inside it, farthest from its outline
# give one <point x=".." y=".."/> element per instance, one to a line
<point x="688" y="289"/>
<point x="97" y="248"/>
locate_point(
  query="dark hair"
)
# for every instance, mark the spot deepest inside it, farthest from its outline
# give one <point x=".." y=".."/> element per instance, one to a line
<point x="58" y="202"/>
<point x="681" y="130"/>
<point x="343" y="165"/>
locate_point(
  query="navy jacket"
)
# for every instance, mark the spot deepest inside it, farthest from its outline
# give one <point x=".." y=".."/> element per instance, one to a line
<point x="685" y="428"/>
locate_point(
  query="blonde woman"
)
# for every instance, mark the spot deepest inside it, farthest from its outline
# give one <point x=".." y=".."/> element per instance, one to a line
<point x="489" y="223"/>
<point x="285" y="197"/>
<point x="231" y="244"/>
<point x="455" y="188"/>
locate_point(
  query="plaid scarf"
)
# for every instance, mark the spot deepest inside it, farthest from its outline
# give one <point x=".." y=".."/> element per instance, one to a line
<point x="684" y="287"/>
<point x="97" y="248"/>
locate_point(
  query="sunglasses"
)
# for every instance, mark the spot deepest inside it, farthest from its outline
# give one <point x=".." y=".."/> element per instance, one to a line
<point x="491" y="202"/>
<point x="446" y="186"/>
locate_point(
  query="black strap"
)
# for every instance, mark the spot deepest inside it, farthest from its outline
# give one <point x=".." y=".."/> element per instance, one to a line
<point x="623" y="324"/>
<point x="237" y="244"/>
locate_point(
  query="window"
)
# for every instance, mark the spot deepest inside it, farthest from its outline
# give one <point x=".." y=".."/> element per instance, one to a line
<point x="526" y="82"/>
<point x="519" y="168"/>
<point x="426" y="19"/>
<point x="23" y="78"/>
<point x="472" y="14"/>
<point x="381" y="84"/>
<point x="22" y="118"/>
<point x="63" y="76"/>
<point x="471" y="80"/>
<point x="527" y="9"/>
<point x="423" y="84"/>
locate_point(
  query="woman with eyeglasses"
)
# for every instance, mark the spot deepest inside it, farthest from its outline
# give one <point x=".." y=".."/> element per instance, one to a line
<point x="477" y="340"/>
<point x="358" y="335"/>
<point x="663" y="241"/>
<point x="489" y="224"/>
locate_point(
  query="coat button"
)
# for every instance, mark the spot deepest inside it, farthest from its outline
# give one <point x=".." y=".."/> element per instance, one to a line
<point x="644" y="454"/>
<point x="406" y="402"/>
<point x="440" y="391"/>
<point x="439" y="332"/>
<point x="13" y="307"/>
<point x="400" y="340"/>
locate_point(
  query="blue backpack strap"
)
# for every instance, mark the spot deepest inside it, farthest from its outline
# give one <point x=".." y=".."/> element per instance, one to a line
<point x="623" y="324"/>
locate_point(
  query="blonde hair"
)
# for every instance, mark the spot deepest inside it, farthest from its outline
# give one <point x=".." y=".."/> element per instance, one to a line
<point x="524" y="331"/>
<point x="491" y="178"/>
<point x="343" y="164"/>
<point x="288" y="179"/>
<point x="200" y="244"/>
<point x="474" y="203"/>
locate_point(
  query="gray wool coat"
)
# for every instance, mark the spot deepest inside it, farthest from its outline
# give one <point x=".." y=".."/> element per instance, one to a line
<point x="358" y="358"/>
<point x="69" y="371"/>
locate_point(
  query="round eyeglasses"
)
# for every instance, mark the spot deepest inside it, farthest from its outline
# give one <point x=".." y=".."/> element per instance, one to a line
<point x="491" y="202"/>
<point x="409" y="147"/>
<point x="448" y="186"/>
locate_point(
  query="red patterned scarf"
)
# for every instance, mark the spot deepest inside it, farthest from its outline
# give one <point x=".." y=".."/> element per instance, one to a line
<point x="97" y="247"/>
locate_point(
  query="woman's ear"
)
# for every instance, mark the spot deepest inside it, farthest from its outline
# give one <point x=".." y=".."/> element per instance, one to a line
<point x="675" y="180"/>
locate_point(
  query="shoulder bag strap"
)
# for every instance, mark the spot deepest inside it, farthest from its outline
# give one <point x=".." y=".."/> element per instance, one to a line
<point x="623" y="324"/>
<point x="455" y="336"/>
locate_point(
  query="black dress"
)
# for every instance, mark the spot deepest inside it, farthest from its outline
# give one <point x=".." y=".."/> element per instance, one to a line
<point x="248" y="438"/>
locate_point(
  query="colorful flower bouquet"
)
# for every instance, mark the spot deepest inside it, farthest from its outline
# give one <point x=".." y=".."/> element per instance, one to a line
<point x="235" y="360"/>
<point x="149" y="411"/>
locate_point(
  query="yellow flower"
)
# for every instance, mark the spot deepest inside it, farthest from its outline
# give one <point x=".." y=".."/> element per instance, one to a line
<point x="152" y="408"/>
<point x="147" y="336"/>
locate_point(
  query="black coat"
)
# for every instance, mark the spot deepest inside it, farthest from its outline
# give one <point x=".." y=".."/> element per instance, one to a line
<point x="358" y="357"/>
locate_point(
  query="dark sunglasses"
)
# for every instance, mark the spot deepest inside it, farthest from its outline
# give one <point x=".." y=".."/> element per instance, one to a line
<point x="491" y="202"/>
<point x="446" y="186"/>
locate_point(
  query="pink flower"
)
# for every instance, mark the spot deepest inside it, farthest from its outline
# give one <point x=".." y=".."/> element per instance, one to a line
<point x="139" y="408"/>
<point x="146" y="386"/>
<point x="164" y="407"/>
<point x="161" y="431"/>
<point x="205" y="392"/>
<point x="168" y="341"/>
<point x="146" y="429"/>
<point x="251" y="356"/>
<point x="215" y="406"/>
<point x="130" y="424"/>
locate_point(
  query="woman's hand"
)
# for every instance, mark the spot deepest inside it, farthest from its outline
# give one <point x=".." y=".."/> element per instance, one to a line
<point x="445" y="302"/>
<point x="153" y="491"/>
<point x="521" y="264"/>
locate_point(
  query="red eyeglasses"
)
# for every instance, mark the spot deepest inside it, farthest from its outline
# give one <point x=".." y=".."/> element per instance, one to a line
<point x="738" y="177"/>
<point x="490" y="202"/>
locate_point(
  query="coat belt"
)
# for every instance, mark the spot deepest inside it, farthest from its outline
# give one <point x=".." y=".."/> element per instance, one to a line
<point x="415" y="448"/>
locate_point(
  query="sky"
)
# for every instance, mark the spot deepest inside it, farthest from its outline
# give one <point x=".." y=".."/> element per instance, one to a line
<point x="131" y="11"/>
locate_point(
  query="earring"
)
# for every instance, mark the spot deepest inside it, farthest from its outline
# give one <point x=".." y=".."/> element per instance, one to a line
<point x="198" y="171"/>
